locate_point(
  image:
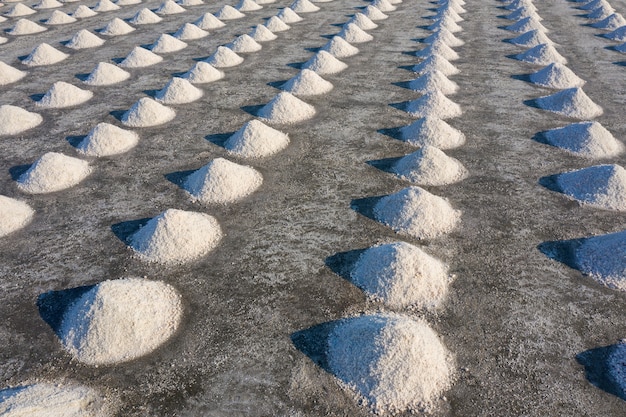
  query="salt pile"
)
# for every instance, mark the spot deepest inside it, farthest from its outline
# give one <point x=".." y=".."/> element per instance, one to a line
<point x="446" y="22"/>
<point x="604" y="259"/>
<point x="618" y="35"/>
<point x="224" y="57"/>
<point x="600" y="13"/>
<point x="25" y="27"/>
<point x="432" y="131"/>
<point x="14" y="215"/>
<point x="256" y="140"/>
<point x="363" y="22"/>
<point x="178" y="91"/>
<point x="588" y="139"/>
<point x="572" y="102"/>
<point x="46" y="400"/>
<point x="147" y="112"/>
<point x="611" y="22"/>
<point x="432" y="81"/>
<point x="47" y="4"/>
<point x="530" y="39"/>
<point x="106" y="74"/>
<point x="167" y="43"/>
<point x="59" y="18"/>
<point x="208" y="22"/>
<point x="543" y="54"/>
<point x="324" y="63"/>
<point x="286" y="109"/>
<point x="126" y="2"/>
<point x="557" y="76"/>
<point x="383" y="5"/>
<point x="516" y="4"/>
<point x="176" y="236"/>
<point x="276" y="25"/>
<point x="14" y="120"/>
<point x="145" y="17"/>
<point x="9" y="74"/>
<point x="62" y="95"/>
<point x="436" y="62"/>
<point x="415" y="212"/>
<point x="82" y="12"/>
<point x="526" y="24"/>
<point x="222" y="182"/>
<point x="228" y="13"/>
<point x="247" y="6"/>
<point x="434" y="103"/>
<point x="445" y="36"/>
<point x="261" y="33"/>
<point x="106" y="140"/>
<point x="438" y="48"/>
<point x="353" y="34"/>
<point x="429" y="166"/>
<point x="140" y="57"/>
<point x="189" y="32"/>
<point x="84" y="39"/>
<point x="339" y="48"/>
<point x="188" y="3"/>
<point x="307" y="83"/>
<point x="120" y="320"/>
<point x="621" y="48"/>
<point x="19" y="10"/>
<point x="287" y="15"/>
<point x="303" y="6"/>
<point x="395" y="363"/>
<point x="117" y="27"/>
<point x="170" y="7"/>
<point x="203" y="73"/>
<point x="53" y="172"/>
<point x="244" y="44"/>
<point x="373" y="13"/>
<point x="594" y="4"/>
<point x="105" y="6"/>
<point x="265" y="1"/>
<point x="523" y="12"/>
<point x="2" y="41"/>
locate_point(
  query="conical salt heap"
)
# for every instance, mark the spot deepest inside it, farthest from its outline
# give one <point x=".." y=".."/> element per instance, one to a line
<point x="256" y="140"/>
<point x="324" y="63"/>
<point x="303" y="6"/>
<point x="145" y="17"/>
<point x="592" y="5"/>
<point x="287" y="15"/>
<point x="526" y="24"/>
<point x="25" y="27"/>
<point x="188" y="3"/>
<point x="169" y="7"/>
<point x="83" y="11"/>
<point x="383" y="5"/>
<point x="41" y="399"/>
<point x="438" y="48"/>
<point x="587" y="139"/>
<point x="166" y="44"/>
<point x="44" y="54"/>
<point x="209" y="22"/>
<point x="3" y="40"/>
<point x="224" y="57"/>
<point x="285" y="108"/>
<point x="434" y="103"/>
<point x="611" y="22"/>
<point x="147" y="112"/>
<point x="353" y="34"/>
<point x="19" y="10"/>
<point x="523" y="12"/>
<point x="47" y="4"/>
<point x="429" y="166"/>
<point x="415" y="212"/>
<point x="621" y="48"/>
<point x="276" y="25"/>
<point x="59" y="18"/>
<point x="203" y="73"/>
<point x="618" y="35"/>
<point x="14" y="215"/>
<point x="307" y="83"/>
<point x="531" y="38"/>
<point x="373" y="13"/>
<point x="105" y="6"/>
<point x="106" y="140"/>
<point x="222" y="182"/>
<point x="445" y="36"/>
<point x="62" y="95"/>
<point x="557" y="76"/>
<point x="9" y="74"/>
<point x="436" y="62"/>
<point x="244" y="44"/>
<point x="451" y="10"/>
<point x="140" y="57"/>
<point x="600" y="13"/>
<point x="178" y="91"/>
<point x="117" y="27"/>
<point x="432" y="81"/>
<point x="401" y="275"/>
<point x="261" y="33"/>
<point x="543" y="54"/>
<point x="84" y="39"/>
<point x="572" y="102"/>
<point x="14" y="120"/>
<point x="340" y="48"/>
<point x="176" y="236"/>
<point x="432" y="131"/>
<point x="445" y="22"/>
<point x="53" y="172"/>
<point x="516" y="4"/>
<point x="247" y="6"/>
<point x="363" y="22"/>
<point x="106" y="74"/>
<point x="228" y="13"/>
<point x="265" y="1"/>
<point x="189" y="31"/>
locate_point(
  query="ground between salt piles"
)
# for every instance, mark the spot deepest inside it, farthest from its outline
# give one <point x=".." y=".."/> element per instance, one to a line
<point x="514" y="319"/>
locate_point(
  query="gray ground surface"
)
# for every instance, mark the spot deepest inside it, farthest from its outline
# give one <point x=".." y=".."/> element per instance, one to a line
<point x="515" y="320"/>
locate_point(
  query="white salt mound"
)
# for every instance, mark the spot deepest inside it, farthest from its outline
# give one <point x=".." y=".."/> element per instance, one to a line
<point x="604" y="259"/>
<point x="84" y="39"/>
<point x="433" y="81"/>
<point x="188" y="3"/>
<point x="303" y="6"/>
<point x="600" y="13"/>
<point x="9" y="74"/>
<point x="261" y="33"/>
<point x="244" y="44"/>
<point x="432" y="131"/>
<point x="147" y="112"/>
<point x="436" y="62"/>
<point x="401" y="275"/>
<point x="19" y="10"/>
<point x="611" y="22"/>
<point x="222" y="182"/>
<point x="395" y="363"/>
<point x="572" y="102"/>
<point x="14" y="120"/>
<point x="526" y="24"/>
<point x="531" y="38"/>
<point x="106" y="74"/>
<point x="203" y="73"/>
<point x="438" y="48"/>
<point x="14" y="215"/>
<point x="446" y="22"/>
<point x="618" y="35"/>
<point x="25" y="27"/>
<point x="557" y="76"/>
<point x="324" y="63"/>
<point x="127" y="2"/>
<point x="189" y="32"/>
<point x="363" y="22"/>
<point x="594" y="4"/>
<point x="276" y="25"/>
<point x="208" y="22"/>
<point x="602" y="186"/>
<point x="53" y="172"/>
<point x="307" y="83"/>
<point x="167" y="43"/>
<point x="430" y="166"/>
<point x="170" y="7"/>
<point x="44" y="54"/>
<point x="287" y="15"/>
<point x="445" y="36"/>
<point x="256" y="140"/>
<point x="145" y="17"/>
<point x="59" y="18"/>
<point x="178" y="91"/>
<point x="3" y="40"/>
<point x="117" y="27"/>
<point x="543" y="54"/>
<point x="353" y="34"/>
<point x="340" y="48"/>
<point x="415" y="212"/>
<point x="82" y="12"/>
<point x="176" y="236"/>
<point x="62" y="95"/>
<point x="434" y="104"/>
<point x="523" y="12"/>
<point x="285" y="108"/>
<point x="120" y="320"/>
<point x="106" y="140"/>
<point x="46" y="400"/>
<point x="228" y="13"/>
<point x="105" y="6"/>
<point x="587" y="139"/>
<point x="247" y="6"/>
<point x="140" y="57"/>
<point x="373" y="13"/>
<point x="383" y="5"/>
<point x="224" y="57"/>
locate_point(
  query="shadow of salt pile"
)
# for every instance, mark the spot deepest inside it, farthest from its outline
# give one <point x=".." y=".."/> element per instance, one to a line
<point x="52" y="305"/>
<point x="125" y="230"/>
<point x="605" y="368"/>
<point x="342" y="263"/>
<point x="313" y="342"/>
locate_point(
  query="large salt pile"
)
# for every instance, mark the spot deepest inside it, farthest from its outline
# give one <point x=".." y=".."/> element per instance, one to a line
<point x="256" y="140"/>
<point x="84" y="39"/>
<point x="261" y="33"/>
<point x="140" y="57"/>
<point x="445" y="36"/>
<point x="244" y="44"/>
<point x="432" y="81"/>
<point x="324" y="63"/>
<point x="203" y="73"/>
<point x="557" y="76"/>
<point x="25" y="27"/>
<point x="526" y="24"/>
<point x="176" y="236"/>
<point x="307" y="83"/>
<point x="247" y="6"/>
<point x="14" y="215"/>
<point x="531" y="38"/>
<point x="167" y="43"/>
<point x="415" y="212"/>
<point x="543" y="54"/>
<point x="303" y="6"/>
<point x="59" y="18"/>
<point x="19" y="10"/>
<point x="373" y="13"/>
<point x="429" y="166"/>
<point x="106" y="139"/>
<point x="147" y="112"/>
<point x="383" y="5"/>
<point x="438" y="48"/>
<point x="435" y="104"/>
<point x="117" y="27"/>
<point x="189" y="32"/>
<point x="395" y="363"/>
<point x="354" y="34"/>
<point x="588" y="139"/>
<point x="287" y="15"/>
<point x="572" y="102"/>
<point x="53" y="172"/>
<point x="224" y="57"/>
<point x="106" y="74"/>
<point x="170" y="7"/>
<point x="285" y="108"/>
<point x="401" y="275"/>
<point x="120" y="320"/>
<point x="47" y="400"/>
<point x="340" y="48"/>
<point x="9" y="74"/>
<point x="178" y="91"/>
<point x="82" y="12"/>
<point x="432" y="131"/>
<point x="436" y="63"/>
<point x="222" y="182"/>
<point x="611" y="22"/>
<point x="62" y="95"/>
<point x="105" y="6"/>
<point x="362" y="22"/>
<point x="14" y="120"/>
<point x="604" y="259"/>
<point x="208" y="22"/>
<point x="276" y="25"/>
<point x="145" y="17"/>
<point x="228" y="13"/>
<point x="44" y="54"/>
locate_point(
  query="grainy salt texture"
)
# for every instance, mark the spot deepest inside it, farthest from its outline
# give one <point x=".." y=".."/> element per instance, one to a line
<point x="224" y="57"/>
<point x="59" y="18"/>
<point x="395" y="363"/>
<point x="276" y="25"/>
<point x="445" y="22"/>
<point x="307" y="83"/>
<point x="62" y="95"/>
<point x="543" y="54"/>
<point x="556" y="76"/>
<point x="222" y="182"/>
<point x="445" y="36"/>
<point x="53" y="172"/>
<point x="588" y="139"/>
<point x="145" y="17"/>
<point x="84" y="39"/>
<point x="604" y="259"/>
<point x="592" y="5"/>
<point x="287" y="15"/>
<point x="523" y="12"/>
<point x="14" y="215"/>
<point x="256" y="140"/>
<point x="436" y="62"/>
<point x="373" y="13"/>
<point x="105" y="6"/>
<point x="434" y="104"/>
<point x="432" y="131"/>
<point x="106" y="74"/>
<point x="25" y="27"/>
<point x="52" y="400"/>
<point x="285" y="108"/>
<point x="127" y="2"/>
<point x="140" y="57"/>
<point x="611" y="22"/>
<point x="176" y="236"/>
<point x="9" y="74"/>
<point x="451" y="10"/>
<point x="247" y="6"/>
<point x="244" y="44"/>
<point x="167" y="43"/>
<point x="415" y="212"/>
<point x="353" y="34"/>
<point x="189" y="32"/>
<point x="303" y="6"/>
<point x="208" y="22"/>
<point x="120" y="320"/>
<point x="82" y="12"/>
<point x="203" y="73"/>
<point x="14" y="120"/>
<point x="106" y="140"/>
<point x="117" y="27"/>
<point x="324" y="63"/>
<point x="530" y="39"/>
<point x="187" y="3"/>
<point x="616" y="365"/>
<point x="600" y="13"/>
<point x="178" y="91"/>
<point x="228" y="13"/>
<point x="261" y="33"/>
<point x="438" y="48"/>
<point x="432" y="81"/>
<point x="47" y="4"/>
<point x="265" y="1"/>
<point x="147" y="112"/>
<point x="383" y="5"/>
<point x="169" y="7"/>
<point x="572" y="102"/>
<point x="340" y="48"/>
<point x="516" y="4"/>
<point x="526" y="24"/>
<point x="401" y="275"/>
<point x="363" y="22"/>
<point x="19" y="10"/>
<point x="618" y="35"/>
<point x="430" y="166"/>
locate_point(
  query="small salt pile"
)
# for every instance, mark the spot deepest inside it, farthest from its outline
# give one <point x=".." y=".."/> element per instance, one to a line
<point x="176" y="236"/>
<point x="446" y="22"/>
<point x="307" y="83"/>
<point x="526" y="24"/>
<point x="276" y="25"/>
<point x="244" y="44"/>
<point x="611" y="22"/>
<point x="362" y="22"/>
<point x="324" y="63"/>
<point x="117" y="27"/>
<point x="145" y="17"/>
<point x="438" y="48"/>
<point x="287" y="15"/>
<point x="224" y="57"/>
<point x="222" y="182"/>
<point x="600" y="13"/>
<point x="256" y="140"/>
<point x="59" y="18"/>
<point x="105" y="6"/>
<point x="169" y="7"/>
<point x="285" y="108"/>
<point x="618" y="35"/>
<point x="126" y="2"/>
<point x="303" y="6"/>
<point x="178" y="91"/>
<point x="106" y="140"/>
<point x="203" y="73"/>
<point x="432" y="131"/>
<point x="401" y="275"/>
<point x="120" y="320"/>
<point x="543" y="54"/>
<point x="84" y="39"/>
<point x="14" y="120"/>
<point x="621" y="48"/>
<point x="3" y="40"/>
<point x="435" y="104"/>
<point x="433" y="80"/>
<point x="373" y="13"/>
<point x="140" y="57"/>
<point x="47" y="400"/>
<point x="14" y="215"/>
<point x="353" y="34"/>
<point x="261" y="33"/>
<point x="587" y="139"/>
<point x="557" y="76"/>
<point x="189" y="32"/>
<point x="247" y="6"/>
<point x="265" y="1"/>
<point x="25" y="27"/>
<point x="530" y="39"/>
<point x="147" y="112"/>
<point x="208" y="22"/>
<point x="523" y="12"/>
<point x="9" y="74"/>
<point x="106" y="74"/>
<point x="53" y="172"/>
<point x="395" y="363"/>
<point x="47" y="4"/>
<point x="82" y="12"/>
<point x="188" y="3"/>
<point x="516" y="4"/>
<point x="340" y="48"/>
<point x="429" y="166"/>
<point x="604" y="259"/>
<point x="594" y="4"/>
<point x="167" y="43"/>
<point x="44" y="54"/>
<point x="62" y="95"/>
<point x="445" y="36"/>
<point x="435" y="62"/>
<point x="228" y="13"/>
<point x="19" y="10"/>
<point x="383" y="5"/>
<point x="572" y="102"/>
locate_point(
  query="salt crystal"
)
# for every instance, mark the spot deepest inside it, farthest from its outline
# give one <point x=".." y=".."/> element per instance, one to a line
<point x="353" y="34"/>
<point x="106" y="140"/>
<point x="324" y="63"/>
<point x="117" y="27"/>
<point x="340" y="48"/>
<point x="170" y="7"/>
<point x="203" y="73"/>
<point x="285" y="108"/>
<point x="178" y="91"/>
<point x="84" y="39"/>
<point x="229" y="13"/>
<point x="62" y="95"/>
<point x="189" y="32"/>
<point x="106" y="74"/>
<point x="59" y="18"/>
<point x="557" y="76"/>
<point x="47" y="400"/>
<point x="44" y="54"/>
<point x="208" y="22"/>
<point x="145" y="17"/>
<point x="14" y="120"/>
<point x="147" y="112"/>
<point x="587" y="139"/>
<point x="188" y="3"/>
<point x="432" y="131"/>
<point x="224" y="57"/>
<point x="244" y="44"/>
<point x="127" y="2"/>
<point x="9" y="74"/>
<point x="429" y="166"/>
<point x="53" y="172"/>
<point x="572" y="102"/>
<point x="256" y="140"/>
<point x="167" y="43"/>
<point x="447" y="23"/>
<point x="307" y="83"/>
<point x="526" y="24"/>
<point x="140" y="57"/>
<point x="618" y="35"/>
<point x="14" y="215"/>
<point x="523" y="12"/>
<point x="25" y="27"/>
<point x="600" y="13"/>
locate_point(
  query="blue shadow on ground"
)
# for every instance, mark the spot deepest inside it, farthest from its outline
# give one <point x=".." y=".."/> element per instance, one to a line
<point x="52" y="305"/>
<point x="597" y="369"/>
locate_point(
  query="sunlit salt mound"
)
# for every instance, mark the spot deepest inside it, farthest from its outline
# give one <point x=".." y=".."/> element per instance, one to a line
<point x="59" y="18"/>
<point x="432" y="81"/>
<point x="203" y="73"/>
<point x="126" y="2"/>
<point x="3" y="40"/>
<point x="167" y="43"/>
<point x="44" y="54"/>
<point x="25" y="27"/>
<point x="247" y="6"/>
<point x="587" y="139"/>
<point x="526" y="24"/>
<point x="256" y="140"/>
<point x="432" y="131"/>
<point x="429" y="166"/>
<point x="189" y="32"/>
<point x="145" y="17"/>
<point x="611" y="22"/>
<point x="84" y="39"/>
<point x="594" y="4"/>
<point x="276" y="25"/>
<point x="543" y="54"/>
<point x="438" y="48"/>
<point x="530" y="39"/>
<point x="244" y="44"/>
<point x="14" y="215"/>
<point x="224" y="57"/>
<point x="222" y="182"/>
<point x="572" y="102"/>
<point x="600" y="13"/>
<point x="82" y="12"/>
<point x="120" y="320"/>
<point x="19" y="10"/>
<point x="187" y="3"/>
<point x="105" y="6"/>
<point x="383" y="5"/>
<point x="307" y="83"/>
<point x="523" y="12"/>
<point x="14" y="120"/>
<point x="373" y="13"/>
<point x="354" y="34"/>
<point x="106" y="74"/>
<point x="178" y="91"/>
<point x="53" y="172"/>
<point x="62" y="95"/>
<point x="9" y="74"/>
<point x="324" y="63"/>
<point x="340" y="48"/>
<point x="618" y="35"/>
<point x="147" y="112"/>
<point x="117" y="27"/>
<point x="415" y="212"/>
<point x="363" y="22"/>
<point x="557" y="76"/>
<point x="303" y="6"/>
<point x="228" y="13"/>
<point x="395" y="363"/>
<point x="434" y="104"/>
<point x="261" y="33"/>
<point x="445" y="22"/>
<point x="140" y="57"/>
<point x="287" y="15"/>
<point x="170" y="7"/>
<point x="47" y="4"/>
<point x="445" y="36"/>
<point x="176" y="236"/>
<point x="401" y="275"/>
<point x="106" y="140"/>
<point x="436" y="62"/>
<point x="452" y="10"/>
<point x="285" y="108"/>
<point x="604" y="259"/>
<point x="46" y="400"/>
<point x="208" y="22"/>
